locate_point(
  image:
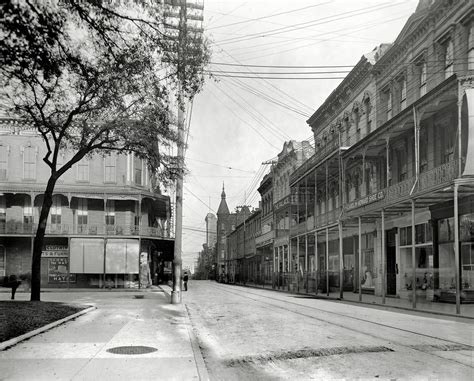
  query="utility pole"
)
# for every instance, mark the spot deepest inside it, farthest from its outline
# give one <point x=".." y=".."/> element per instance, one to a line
<point x="181" y="72"/>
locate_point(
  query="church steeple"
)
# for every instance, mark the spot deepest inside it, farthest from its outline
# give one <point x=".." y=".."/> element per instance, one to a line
<point x="223" y="208"/>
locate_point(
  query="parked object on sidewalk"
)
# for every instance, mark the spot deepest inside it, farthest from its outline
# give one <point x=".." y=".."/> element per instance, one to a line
<point x="11" y="282"/>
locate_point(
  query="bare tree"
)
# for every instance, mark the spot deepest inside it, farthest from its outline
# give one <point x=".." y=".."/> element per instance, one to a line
<point x="93" y="77"/>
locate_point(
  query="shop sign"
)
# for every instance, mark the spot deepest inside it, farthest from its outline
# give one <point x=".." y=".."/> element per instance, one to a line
<point x="58" y="271"/>
<point x="55" y="251"/>
<point x="366" y="200"/>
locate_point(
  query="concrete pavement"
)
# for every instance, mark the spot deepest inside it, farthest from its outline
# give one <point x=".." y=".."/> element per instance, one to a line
<point x="79" y="349"/>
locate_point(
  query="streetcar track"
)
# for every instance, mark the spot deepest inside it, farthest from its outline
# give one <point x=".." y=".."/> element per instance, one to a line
<point x="394" y="342"/>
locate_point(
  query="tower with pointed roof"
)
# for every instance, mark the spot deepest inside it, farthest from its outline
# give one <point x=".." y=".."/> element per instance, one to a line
<point x="226" y="222"/>
<point x="223" y="208"/>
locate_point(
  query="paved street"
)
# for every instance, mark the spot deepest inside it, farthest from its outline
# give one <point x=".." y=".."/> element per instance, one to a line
<point x="247" y="333"/>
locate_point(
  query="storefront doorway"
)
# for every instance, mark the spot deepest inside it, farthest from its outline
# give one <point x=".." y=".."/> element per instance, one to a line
<point x="391" y="262"/>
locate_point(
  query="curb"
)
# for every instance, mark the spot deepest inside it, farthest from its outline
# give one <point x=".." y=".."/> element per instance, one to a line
<point x="47" y="327"/>
<point x="200" y="364"/>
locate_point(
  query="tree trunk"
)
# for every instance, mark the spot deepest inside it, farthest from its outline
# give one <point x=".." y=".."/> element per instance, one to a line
<point x="39" y="238"/>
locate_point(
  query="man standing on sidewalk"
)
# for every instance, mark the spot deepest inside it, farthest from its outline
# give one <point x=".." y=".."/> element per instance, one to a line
<point x="185" y="281"/>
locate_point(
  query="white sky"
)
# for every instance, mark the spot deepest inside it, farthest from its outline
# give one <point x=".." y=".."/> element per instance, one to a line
<point x="231" y="127"/>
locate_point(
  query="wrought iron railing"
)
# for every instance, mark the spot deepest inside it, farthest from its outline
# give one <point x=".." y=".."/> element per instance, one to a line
<point x="321" y="153"/>
<point x="15" y="227"/>
<point x="438" y="176"/>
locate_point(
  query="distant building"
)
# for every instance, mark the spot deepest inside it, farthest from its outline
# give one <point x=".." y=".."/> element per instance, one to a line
<point x="211" y="230"/>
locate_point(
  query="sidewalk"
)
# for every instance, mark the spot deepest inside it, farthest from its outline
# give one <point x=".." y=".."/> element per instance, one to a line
<point x="79" y="349"/>
<point x="422" y="306"/>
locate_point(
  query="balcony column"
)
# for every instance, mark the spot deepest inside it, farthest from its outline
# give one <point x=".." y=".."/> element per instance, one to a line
<point x="105" y="214"/>
<point x="341" y="262"/>
<point x="105" y="239"/>
<point x="383" y="252"/>
<point x="326" y="207"/>
<point x="316" y="260"/>
<point x="387" y="150"/>
<point x="360" y="259"/>
<point x="297" y="272"/>
<point x="459" y="104"/>
<point x="327" y="261"/>
<point x="413" y="253"/>
<point x="364" y="178"/>
<point x="416" y="121"/>
<point x="306" y="260"/>
<point x="456" y="250"/>
<point x="139" y="239"/>
<point x="306" y="196"/>
<point x="278" y="267"/>
<point x="315" y="196"/>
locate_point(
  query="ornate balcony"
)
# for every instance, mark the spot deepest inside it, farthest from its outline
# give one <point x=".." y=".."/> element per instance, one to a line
<point x="328" y="218"/>
<point x="17" y="228"/>
<point x="438" y="176"/>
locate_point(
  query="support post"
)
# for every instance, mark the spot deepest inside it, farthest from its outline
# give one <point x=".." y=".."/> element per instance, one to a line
<point x="456" y="250"/>
<point x="341" y="262"/>
<point x="297" y="272"/>
<point x="360" y="259"/>
<point x="306" y="260"/>
<point x="388" y="162"/>
<point x="177" y="262"/>
<point x="316" y="264"/>
<point x="384" y="270"/>
<point x="327" y="261"/>
<point x="139" y="241"/>
<point x="413" y="253"/>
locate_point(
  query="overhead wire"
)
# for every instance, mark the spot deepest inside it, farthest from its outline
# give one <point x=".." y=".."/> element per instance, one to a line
<point x="363" y="27"/>
<point x="238" y="116"/>
<point x="272" y="15"/>
<point x="269" y="84"/>
<point x="321" y="21"/>
<point x="268" y="125"/>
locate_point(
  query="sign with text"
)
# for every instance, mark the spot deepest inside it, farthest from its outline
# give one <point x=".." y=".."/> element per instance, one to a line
<point x="58" y="269"/>
<point x="366" y="200"/>
<point x="55" y="251"/>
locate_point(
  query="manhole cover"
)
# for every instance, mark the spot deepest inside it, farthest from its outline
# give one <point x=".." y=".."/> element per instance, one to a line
<point x="131" y="350"/>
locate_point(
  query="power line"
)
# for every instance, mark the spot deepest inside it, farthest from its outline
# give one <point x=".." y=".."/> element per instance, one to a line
<point x="288" y="96"/>
<point x="275" y="129"/>
<point x="283" y="66"/>
<point x="238" y="117"/>
<point x="252" y="90"/>
<point x="269" y="16"/>
<point x="298" y="26"/>
<point x="207" y="206"/>
<point x="220" y="165"/>
<point x="279" y="72"/>
<point x="254" y="77"/>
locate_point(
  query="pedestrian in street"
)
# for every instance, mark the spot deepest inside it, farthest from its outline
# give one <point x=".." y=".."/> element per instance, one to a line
<point x="185" y="281"/>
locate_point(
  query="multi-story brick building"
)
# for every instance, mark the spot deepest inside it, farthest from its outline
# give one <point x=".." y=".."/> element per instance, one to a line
<point x="243" y="263"/>
<point x="107" y="226"/>
<point x="385" y="205"/>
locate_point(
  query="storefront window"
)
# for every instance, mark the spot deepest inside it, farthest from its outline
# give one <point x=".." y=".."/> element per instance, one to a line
<point x="466" y="236"/>
<point x="368" y="270"/>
